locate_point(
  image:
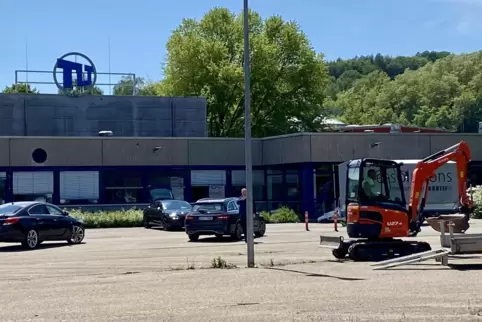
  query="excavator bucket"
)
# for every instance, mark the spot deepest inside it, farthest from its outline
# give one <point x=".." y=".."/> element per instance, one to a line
<point x="460" y="221"/>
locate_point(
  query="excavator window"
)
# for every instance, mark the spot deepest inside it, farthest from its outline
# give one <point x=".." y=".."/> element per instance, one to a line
<point x="353" y="184"/>
<point x="381" y="183"/>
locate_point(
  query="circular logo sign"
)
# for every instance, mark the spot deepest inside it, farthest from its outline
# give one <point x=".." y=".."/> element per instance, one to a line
<point x="77" y="72"/>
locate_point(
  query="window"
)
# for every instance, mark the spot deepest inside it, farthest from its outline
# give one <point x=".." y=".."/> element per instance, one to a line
<point x="79" y="187"/>
<point x="160" y="194"/>
<point x="176" y="204"/>
<point x="393" y="193"/>
<point x="122" y="186"/>
<point x="54" y="211"/>
<point x="353" y="183"/>
<point x="210" y="206"/>
<point x="231" y="206"/>
<point x="208" y="183"/>
<point x="173" y="180"/>
<point x="9" y="209"/>
<point x="238" y="180"/>
<point x="3" y="182"/>
<point x="293" y="185"/>
<point x="38" y="210"/>
<point x="373" y="176"/>
<point x="381" y="183"/>
<point x="325" y="191"/>
<point x="275" y="187"/>
<point x="33" y="186"/>
<point x="155" y="204"/>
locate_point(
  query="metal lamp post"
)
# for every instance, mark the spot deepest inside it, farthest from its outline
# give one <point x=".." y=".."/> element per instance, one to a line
<point x="247" y="141"/>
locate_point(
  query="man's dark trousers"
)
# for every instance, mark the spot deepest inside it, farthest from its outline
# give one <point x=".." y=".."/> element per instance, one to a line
<point x="243" y="224"/>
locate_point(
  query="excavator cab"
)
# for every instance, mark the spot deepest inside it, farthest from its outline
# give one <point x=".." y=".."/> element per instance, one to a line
<point x="375" y="200"/>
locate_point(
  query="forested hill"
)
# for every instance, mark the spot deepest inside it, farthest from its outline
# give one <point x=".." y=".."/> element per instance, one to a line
<point x="432" y="89"/>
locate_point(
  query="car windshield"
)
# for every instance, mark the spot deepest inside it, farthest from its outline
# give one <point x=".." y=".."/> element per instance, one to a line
<point x="9" y="209"/>
<point x="209" y="206"/>
<point x="175" y="204"/>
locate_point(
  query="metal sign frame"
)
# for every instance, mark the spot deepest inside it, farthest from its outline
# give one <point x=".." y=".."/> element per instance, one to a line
<point x="91" y="74"/>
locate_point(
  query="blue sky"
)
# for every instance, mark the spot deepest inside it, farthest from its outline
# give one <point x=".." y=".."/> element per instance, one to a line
<point x="138" y="30"/>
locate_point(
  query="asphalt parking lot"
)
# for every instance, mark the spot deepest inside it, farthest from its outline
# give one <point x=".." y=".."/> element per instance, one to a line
<point x="151" y="275"/>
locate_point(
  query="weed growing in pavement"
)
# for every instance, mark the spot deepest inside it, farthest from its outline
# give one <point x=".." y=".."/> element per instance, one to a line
<point x="189" y="266"/>
<point x="221" y="263"/>
<point x="272" y="263"/>
<point x="474" y="309"/>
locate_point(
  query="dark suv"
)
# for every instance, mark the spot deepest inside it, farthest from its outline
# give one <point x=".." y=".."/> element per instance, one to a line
<point x="219" y="217"/>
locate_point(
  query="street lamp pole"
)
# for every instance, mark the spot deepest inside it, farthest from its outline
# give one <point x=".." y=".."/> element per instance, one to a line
<point x="247" y="141"/>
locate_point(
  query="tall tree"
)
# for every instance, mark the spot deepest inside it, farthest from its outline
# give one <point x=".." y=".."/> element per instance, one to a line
<point x="205" y="58"/>
<point x="20" y="88"/>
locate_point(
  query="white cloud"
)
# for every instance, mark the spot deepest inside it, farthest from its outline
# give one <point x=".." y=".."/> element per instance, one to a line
<point x="466" y="16"/>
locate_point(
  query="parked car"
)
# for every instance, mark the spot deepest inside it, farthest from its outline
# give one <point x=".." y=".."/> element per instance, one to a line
<point x="168" y="214"/>
<point x="32" y="222"/>
<point x="219" y="217"/>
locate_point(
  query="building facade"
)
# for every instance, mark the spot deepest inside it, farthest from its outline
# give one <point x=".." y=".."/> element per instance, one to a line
<point x="127" y="116"/>
<point x="299" y="171"/>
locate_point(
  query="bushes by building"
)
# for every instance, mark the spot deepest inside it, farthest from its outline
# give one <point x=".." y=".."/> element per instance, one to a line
<point x="110" y="219"/>
<point x="281" y="216"/>
<point x="476" y="195"/>
<point x="133" y="217"/>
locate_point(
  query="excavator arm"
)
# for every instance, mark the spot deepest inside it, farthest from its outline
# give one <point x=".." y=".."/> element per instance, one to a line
<point x="425" y="169"/>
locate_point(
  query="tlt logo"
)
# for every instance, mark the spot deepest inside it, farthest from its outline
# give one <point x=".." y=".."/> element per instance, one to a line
<point x="68" y="67"/>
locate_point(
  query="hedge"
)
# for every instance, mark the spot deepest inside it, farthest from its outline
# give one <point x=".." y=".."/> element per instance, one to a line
<point x="281" y="216"/>
<point x="110" y="219"/>
<point x="133" y="217"/>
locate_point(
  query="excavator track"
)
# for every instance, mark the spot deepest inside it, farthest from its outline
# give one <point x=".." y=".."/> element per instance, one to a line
<point x="374" y="251"/>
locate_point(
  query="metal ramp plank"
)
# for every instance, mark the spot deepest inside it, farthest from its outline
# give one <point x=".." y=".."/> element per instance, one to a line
<point x="405" y="260"/>
<point x="408" y="257"/>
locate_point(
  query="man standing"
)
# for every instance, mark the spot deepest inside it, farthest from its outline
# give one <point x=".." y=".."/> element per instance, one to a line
<point x="242" y="211"/>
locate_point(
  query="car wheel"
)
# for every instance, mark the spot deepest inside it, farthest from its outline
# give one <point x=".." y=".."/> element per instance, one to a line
<point x="145" y="222"/>
<point x="77" y="236"/>
<point x="261" y="230"/>
<point x="193" y="237"/>
<point x="238" y="232"/>
<point x="31" y="239"/>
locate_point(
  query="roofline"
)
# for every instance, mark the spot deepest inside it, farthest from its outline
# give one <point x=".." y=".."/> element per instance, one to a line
<point x="302" y="134"/>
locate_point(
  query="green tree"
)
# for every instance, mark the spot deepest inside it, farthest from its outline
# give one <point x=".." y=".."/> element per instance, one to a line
<point x="205" y="58"/>
<point x="77" y="90"/>
<point x="446" y="93"/>
<point x="20" y="88"/>
<point x="125" y="87"/>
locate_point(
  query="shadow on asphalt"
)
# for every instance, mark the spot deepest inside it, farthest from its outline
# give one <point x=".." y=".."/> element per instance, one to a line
<point x="316" y="274"/>
<point x="177" y="230"/>
<point x="222" y="240"/>
<point x="19" y="248"/>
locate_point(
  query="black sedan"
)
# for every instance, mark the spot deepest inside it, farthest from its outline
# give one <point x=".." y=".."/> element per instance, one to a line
<point x="168" y="214"/>
<point x="31" y="223"/>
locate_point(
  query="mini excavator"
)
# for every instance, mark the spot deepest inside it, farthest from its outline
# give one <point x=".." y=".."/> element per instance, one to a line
<point x="377" y="212"/>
